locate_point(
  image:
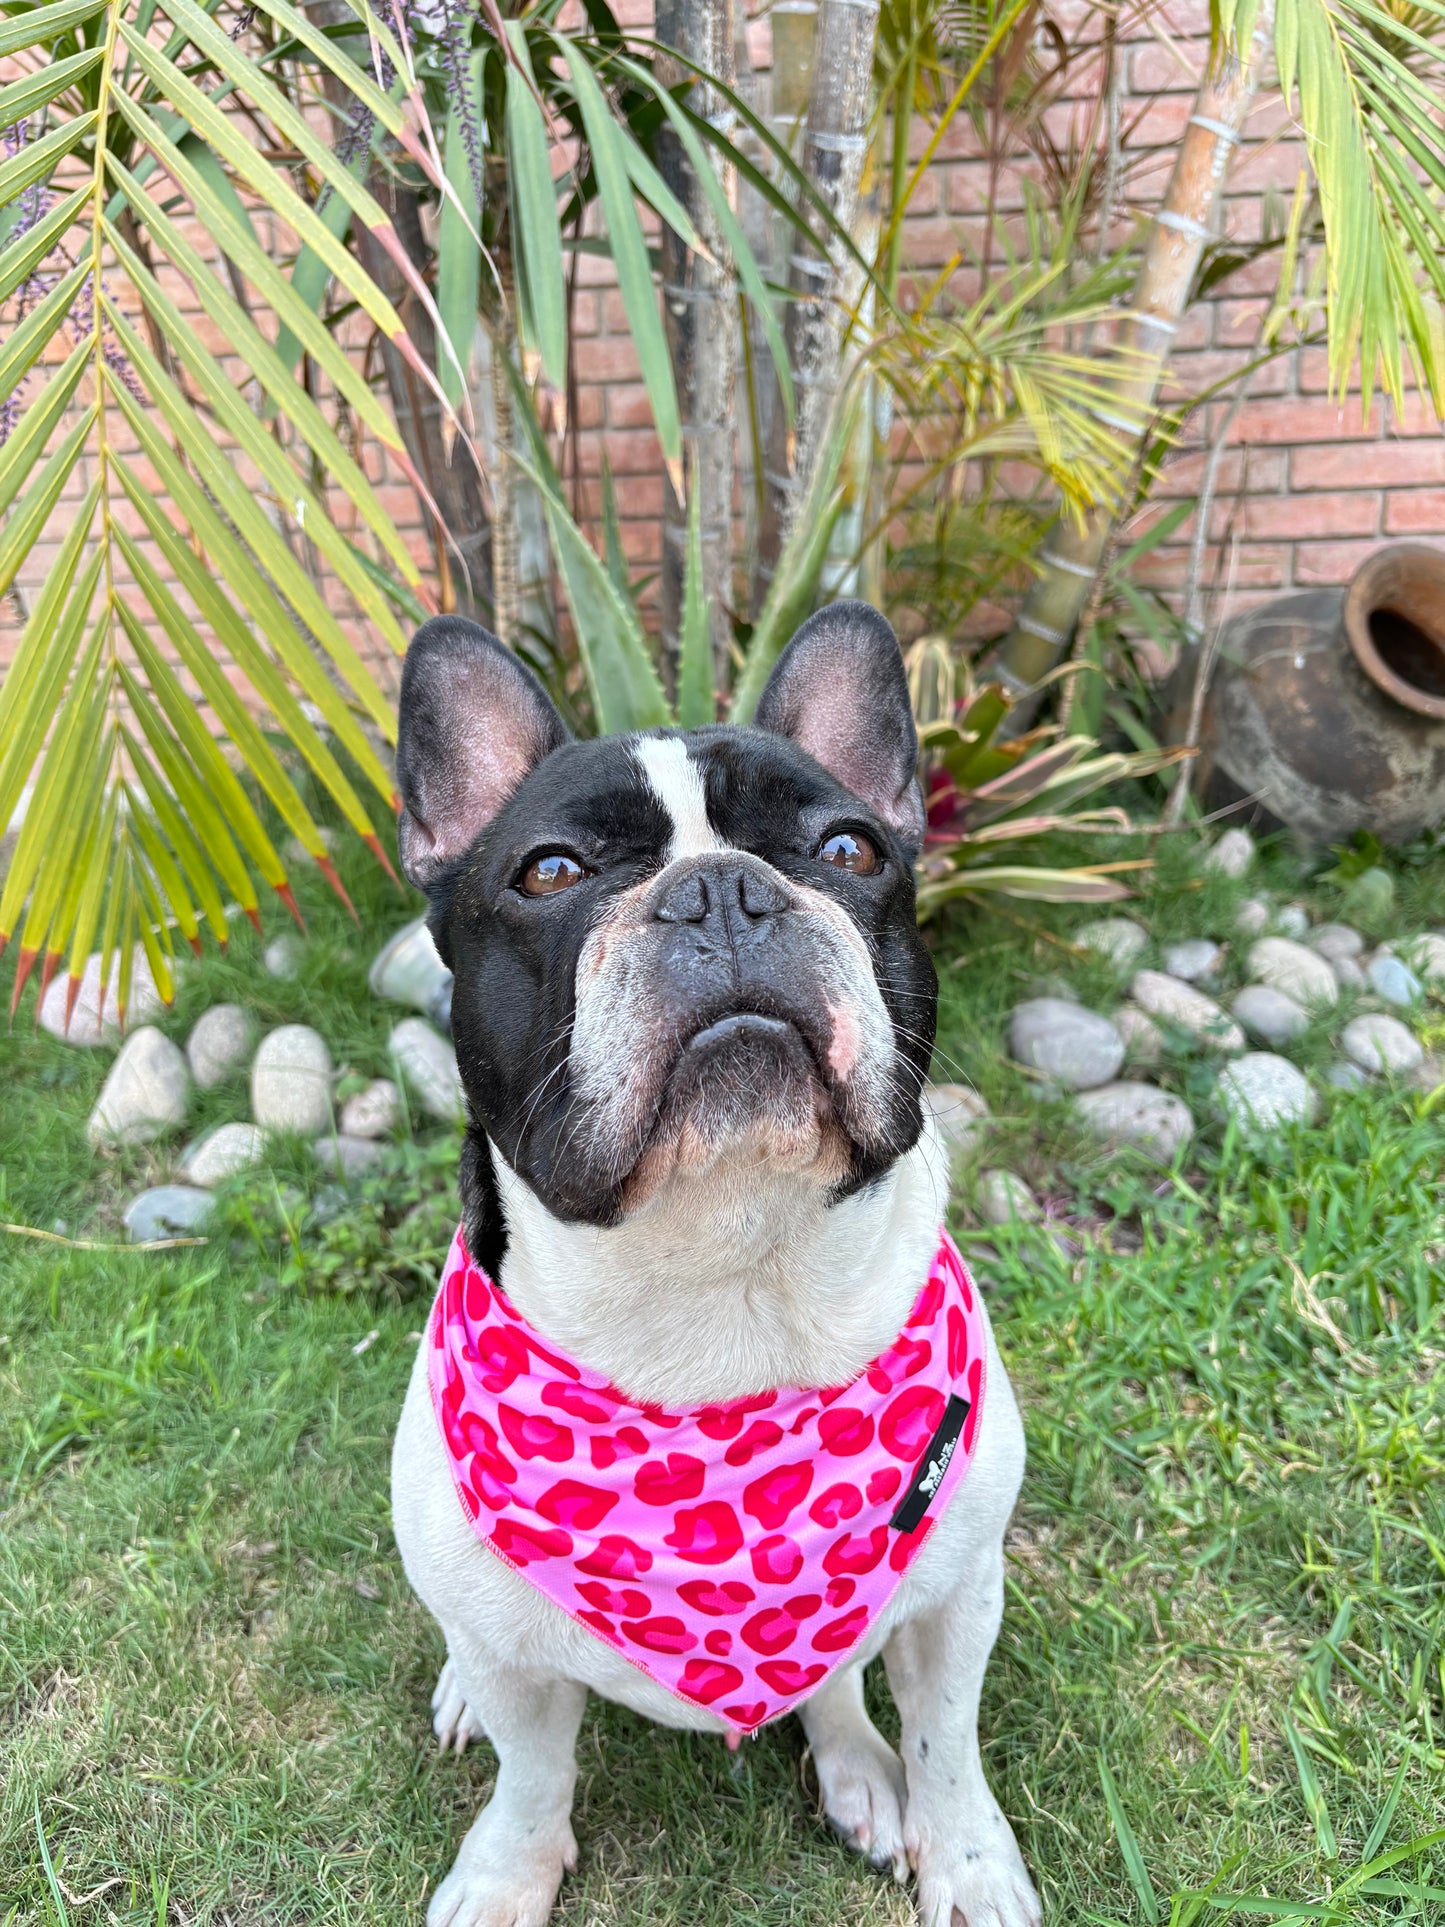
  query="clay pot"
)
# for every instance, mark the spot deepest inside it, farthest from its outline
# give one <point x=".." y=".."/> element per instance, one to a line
<point x="1326" y="710"/>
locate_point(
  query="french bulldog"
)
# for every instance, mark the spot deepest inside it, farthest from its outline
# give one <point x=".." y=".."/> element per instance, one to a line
<point x="693" y="1018"/>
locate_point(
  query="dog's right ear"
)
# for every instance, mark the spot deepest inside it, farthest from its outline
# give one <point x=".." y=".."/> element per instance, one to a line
<point x="474" y="722"/>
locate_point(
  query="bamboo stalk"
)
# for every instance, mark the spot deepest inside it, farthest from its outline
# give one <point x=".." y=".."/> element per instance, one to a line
<point x="1178" y="233"/>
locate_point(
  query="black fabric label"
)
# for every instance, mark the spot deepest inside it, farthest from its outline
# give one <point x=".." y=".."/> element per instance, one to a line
<point x="934" y="1463"/>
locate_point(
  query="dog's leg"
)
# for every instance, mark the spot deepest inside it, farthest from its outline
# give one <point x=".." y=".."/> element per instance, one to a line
<point x="970" y="1871"/>
<point x="859" y="1774"/>
<point x="511" y="1862"/>
<point x="452" y="1720"/>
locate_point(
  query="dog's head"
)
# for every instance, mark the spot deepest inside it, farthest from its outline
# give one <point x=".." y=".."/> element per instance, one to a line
<point x="681" y="946"/>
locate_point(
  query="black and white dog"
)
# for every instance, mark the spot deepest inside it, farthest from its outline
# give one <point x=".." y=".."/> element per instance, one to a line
<point x="693" y="1016"/>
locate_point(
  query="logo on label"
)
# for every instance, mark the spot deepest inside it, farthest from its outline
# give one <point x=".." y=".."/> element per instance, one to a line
<point x="934" y="1464"/>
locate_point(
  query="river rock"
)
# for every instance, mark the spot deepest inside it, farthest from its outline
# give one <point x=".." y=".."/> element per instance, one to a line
<point x="1349" y="974"/>
<point x="1292" y="920"/>
<point x="222" y="1153"/>
<point x="1379" y="1043"/>
<point x="347" y="1157"/>
<point x="374" y="1112"/>
<point x="1336" y="940"/>
<point x="1261" y="1091"/>
<point x="1192" y="960"/>
<point x="166" y="1211"/>
<point x="1151" y="1120"/>
<point x="1346" y="1077"/>
<point x="1004" y="1198"/>
<point x="1269" y="1014"/>
<point x="1118" y="940"/>
<point x="1392" y="978"/>
<point x="1232" y="854"/>
<point x="1427" y="1076"/>
<point x="1143" y="1039"/>
<point x="1288" y="966"/>
<point x="428" y="1067"/>
<point x="1189" y="1009"/>
<point x="282" y="957"/>
<point x="959" y="1113"/>
<point x="87" y="1025"/>
<point x="1252" y="917"/>
<point x="1073" y="1046"/>
<point x="145" y="1094"/>
<point x="1426" y="956"/>
<point x="291" y="1081"/>
<point x="407" y="970"/>
<point x="219" y="1043"/>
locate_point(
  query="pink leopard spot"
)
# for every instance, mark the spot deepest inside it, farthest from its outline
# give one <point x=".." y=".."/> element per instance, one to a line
<point x="777" y="1560"/>
<point x="883" y="1484"/>
<point x="668" y="1484"/>
<point x="957" y="1342"/>
<point x="838" y="1503"/>
<point x="578" y="1401"/>
<point x="841" y="1634"/>
<point x="501" y="1355"/>
<point x="489" y="1489"/>
<point x="770" y="1631"/>
<point x="600" y="1623"/>
<point x="840" y="1591"/>
<point x="911" y="1421"/>
<point x="845" y="1431"/>
<point x="662" y="1634"/>
<point x="476" y="1296"/>
<point x="721" y="1601"/>
<point x="855" y="1555"/>
<point x="614" y="1557"/>
<point x="772" y="1498"/>
<point x="803" y="1607"/>
<point x="706" y="1534"/>
<point x="788" y="1677"/>
<point x="748" y="1714"/>
<point x="534" y="1437"/>
<point x="719" y="1642"/>
<point x="929" y="1300"/>
<point x="708" y="1679"/>
<point x="760" y="1436"/>
<point x="570" y="1503"/>
<point x="622" y="1601"/>
<point x="522" y="1543"/>
<point x="628" y="1442"/>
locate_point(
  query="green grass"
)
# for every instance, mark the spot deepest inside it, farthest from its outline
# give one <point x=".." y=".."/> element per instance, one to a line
<point x="1221" y="1664"/>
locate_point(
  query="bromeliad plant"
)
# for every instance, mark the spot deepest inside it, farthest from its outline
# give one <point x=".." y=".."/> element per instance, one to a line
<point x="992" y="799"/>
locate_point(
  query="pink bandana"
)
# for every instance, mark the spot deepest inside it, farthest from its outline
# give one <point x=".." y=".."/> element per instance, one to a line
<point x="736" y="1553"/>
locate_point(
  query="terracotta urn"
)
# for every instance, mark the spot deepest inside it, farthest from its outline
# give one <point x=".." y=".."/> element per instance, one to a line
<point x="1326" y="710"/>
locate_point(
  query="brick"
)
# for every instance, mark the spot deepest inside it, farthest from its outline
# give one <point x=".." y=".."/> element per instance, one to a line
<point x="628" y="406"/>
<point x="1299" y="517"/>
<point x="1160" y="123"/>
<point x="1384" y="464"/>
<point x="1262" y="471"/>
<point x="1303" y="419"/>
<point x="637" y="496"/>
<point x="1237" y="322"/>
<point x="1415" y="512"/>
<point x="1329" y="562"/>
<point x="605" y="358"/>
<point x="1157" y="69"/>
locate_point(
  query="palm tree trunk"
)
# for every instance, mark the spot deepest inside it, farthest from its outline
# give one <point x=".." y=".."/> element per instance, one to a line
<point x="701" y="318"/>
<point x="835" y="146"/>
<point x="1183" y="224"/>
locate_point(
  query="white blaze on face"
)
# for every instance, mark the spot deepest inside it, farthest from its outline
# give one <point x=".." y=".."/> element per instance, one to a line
<point x="676" y="781"/>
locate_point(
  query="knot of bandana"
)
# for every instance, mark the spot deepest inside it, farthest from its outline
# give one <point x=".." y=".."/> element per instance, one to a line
<point x="737" y="1553"/>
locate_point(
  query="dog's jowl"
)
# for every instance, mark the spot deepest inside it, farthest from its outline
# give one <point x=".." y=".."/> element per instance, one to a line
<point x="708" y="1412"/>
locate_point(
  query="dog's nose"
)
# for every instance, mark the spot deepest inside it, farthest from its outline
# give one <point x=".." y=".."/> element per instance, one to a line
<point x="716" y="887"/>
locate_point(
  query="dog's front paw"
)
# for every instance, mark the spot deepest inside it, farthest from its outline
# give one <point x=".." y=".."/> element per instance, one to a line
<point x="453" y="1721"/>
<point x="506" y="1875"/>
<point x="861" y="1780"/>
<point x="963" y="1885"/>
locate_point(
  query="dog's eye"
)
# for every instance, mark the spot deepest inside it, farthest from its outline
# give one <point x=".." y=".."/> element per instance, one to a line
<point x="849" y="850"/>
<point x="544" y="876"/>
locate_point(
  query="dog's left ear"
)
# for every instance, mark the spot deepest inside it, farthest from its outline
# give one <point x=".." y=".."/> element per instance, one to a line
<point x="839" y="692"/>
<point x="473" y="722"/>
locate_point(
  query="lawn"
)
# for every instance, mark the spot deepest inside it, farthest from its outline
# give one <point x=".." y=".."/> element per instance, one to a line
<point x="1223" y="1657"/>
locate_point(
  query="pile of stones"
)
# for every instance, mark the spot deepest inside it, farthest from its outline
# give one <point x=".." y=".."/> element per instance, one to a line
<point x="1298" y="975"/>
<point x="290" y="1079"/>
